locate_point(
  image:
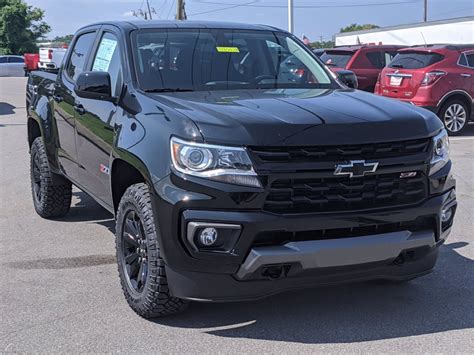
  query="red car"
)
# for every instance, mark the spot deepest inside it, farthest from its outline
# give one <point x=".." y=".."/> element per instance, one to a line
<point x="366" y="61"/>
<point x="437" y="77"/>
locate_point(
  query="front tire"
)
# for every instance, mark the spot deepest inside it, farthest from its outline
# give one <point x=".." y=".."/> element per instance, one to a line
<point x="455" y="115"/>
<point x="141" y="268"/>
<point x="51" y="193"/>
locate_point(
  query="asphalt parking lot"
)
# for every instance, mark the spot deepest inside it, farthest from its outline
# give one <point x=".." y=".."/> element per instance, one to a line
<point x="59" y="286"/>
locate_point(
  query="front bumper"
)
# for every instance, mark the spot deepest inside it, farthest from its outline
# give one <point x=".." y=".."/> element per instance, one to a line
<point x="251" y="271"/>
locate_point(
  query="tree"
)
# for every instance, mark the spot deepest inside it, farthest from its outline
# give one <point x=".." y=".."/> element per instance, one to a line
<point x="355" y="27"/>
<point x="21" y="26"/>
<point x="323" y="44"/>
<point x="63" y="39"/>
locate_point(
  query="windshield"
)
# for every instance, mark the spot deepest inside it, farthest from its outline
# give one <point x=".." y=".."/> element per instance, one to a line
<point x="205" y="59"/>
<point x="414" y="60"/>
<point x="338" y="59"/>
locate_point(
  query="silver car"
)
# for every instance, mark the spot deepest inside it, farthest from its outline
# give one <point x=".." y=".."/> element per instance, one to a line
<point x="12" y="65"/>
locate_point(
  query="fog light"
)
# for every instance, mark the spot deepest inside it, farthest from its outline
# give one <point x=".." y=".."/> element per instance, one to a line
<point x="208" y="236"/>
<point x="446" y="215"/>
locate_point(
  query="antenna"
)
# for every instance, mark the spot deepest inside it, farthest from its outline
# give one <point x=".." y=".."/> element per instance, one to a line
<point x="424" y="40"/>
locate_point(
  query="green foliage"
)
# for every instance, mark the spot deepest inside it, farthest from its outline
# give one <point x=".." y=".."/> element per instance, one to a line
<point x="323" y="44"/>
<point x="355" y="27"/>
<point x="21" y="26"/>
<point x="63" y="39"/>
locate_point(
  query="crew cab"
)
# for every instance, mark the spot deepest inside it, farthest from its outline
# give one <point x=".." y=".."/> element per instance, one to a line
<point x="437" y="77"/>
<point x="229" y="178"/>
<point x="366" y="61"/>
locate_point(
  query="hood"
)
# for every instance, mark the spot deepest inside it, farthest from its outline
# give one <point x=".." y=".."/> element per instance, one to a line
<point x="300" y="117"/>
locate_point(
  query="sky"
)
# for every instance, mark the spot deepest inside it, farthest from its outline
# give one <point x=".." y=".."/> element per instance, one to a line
<point x="313" y="18"/>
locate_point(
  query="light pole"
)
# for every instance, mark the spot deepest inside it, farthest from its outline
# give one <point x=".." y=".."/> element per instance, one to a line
<point x="290" y="16"/>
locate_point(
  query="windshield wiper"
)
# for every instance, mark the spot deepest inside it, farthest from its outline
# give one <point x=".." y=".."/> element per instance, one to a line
<point x="396" y="65"/>
<point x="168" y="90"/>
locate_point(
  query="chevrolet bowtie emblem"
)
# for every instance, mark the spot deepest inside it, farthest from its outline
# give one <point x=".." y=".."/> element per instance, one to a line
<point x="355" y="168"/>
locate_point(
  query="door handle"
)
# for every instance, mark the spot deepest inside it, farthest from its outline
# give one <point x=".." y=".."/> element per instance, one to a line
<point x="466" y="75"/>
<point x="79" y="109"/>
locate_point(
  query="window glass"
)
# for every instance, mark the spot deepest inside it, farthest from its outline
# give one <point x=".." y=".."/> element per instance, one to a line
<point x="463" y="60"/>
<point x="3" y="59"/>
<point x="15" y="60"/>
<point x="388" y="57"/>
<point x="337" y="58"/>
<point x="79" y="55"/>
<point x="414" y="60"/>
<point x="470" y="60"/>
<point x="223" y="59"/>
<point x="375" y="59"/>
<point x="107" y="59"/>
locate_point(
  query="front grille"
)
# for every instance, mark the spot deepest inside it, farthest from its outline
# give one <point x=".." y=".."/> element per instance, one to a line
<point x="337" y="194"/>
<point x="273" y="238"/>
<point x="265" y="155"/>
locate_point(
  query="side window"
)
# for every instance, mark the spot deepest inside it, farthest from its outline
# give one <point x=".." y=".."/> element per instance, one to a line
<point x="375" y="59"/>
<point x="16" y="60"/>
<point x="78" y="56"/>
<point x="388" y="57"/>
<point x="470" y="60"/>
<point x="3" y="59"/>
<point x="107" y="59"/>
<point x="462" y="60"/>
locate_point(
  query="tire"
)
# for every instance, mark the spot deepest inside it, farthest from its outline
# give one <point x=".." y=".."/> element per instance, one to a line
<point x="51" y="193"/>
<point x="140" y="266"/>
<point x="455" y="116"/>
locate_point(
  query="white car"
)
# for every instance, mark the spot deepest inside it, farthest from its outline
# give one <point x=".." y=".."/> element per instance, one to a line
<point x="12" y="65"/>
<point x="51" y="58"/>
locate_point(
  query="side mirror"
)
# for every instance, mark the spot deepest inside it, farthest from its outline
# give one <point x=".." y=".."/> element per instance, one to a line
<point x="348" y="78"/>
<point x="94" y="85"/>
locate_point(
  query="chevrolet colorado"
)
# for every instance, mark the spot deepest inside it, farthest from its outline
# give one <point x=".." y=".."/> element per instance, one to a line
<point x="235" y="163"/>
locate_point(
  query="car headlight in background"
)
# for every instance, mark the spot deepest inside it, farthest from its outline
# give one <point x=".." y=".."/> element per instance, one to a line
<point x="225" y="164"/>
<point x="440" y="152"/>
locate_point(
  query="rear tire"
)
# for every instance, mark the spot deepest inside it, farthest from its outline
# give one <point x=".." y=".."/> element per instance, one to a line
<point x="141" y="268"/>
<point x="51" y="193"/>
<point x="455" y="116"/>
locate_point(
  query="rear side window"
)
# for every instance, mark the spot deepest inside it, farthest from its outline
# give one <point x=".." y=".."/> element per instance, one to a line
<point x="16" y="60"/>
<point x="415" y="60"/>
<point x="375" y="59"/>
<point x="470" y="60"/>
<point x="337" y="59"/>
<point x="78" y="57"/>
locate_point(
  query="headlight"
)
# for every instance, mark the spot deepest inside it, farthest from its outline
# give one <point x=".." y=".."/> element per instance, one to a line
<point x="226" y="164"/>
<point x="440" y="152"/>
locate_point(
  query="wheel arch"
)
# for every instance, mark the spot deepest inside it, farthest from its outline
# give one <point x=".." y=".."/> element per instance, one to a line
<point x="456" y="95"/>
<point x="125" y="171"/>
<point x="34" y="130"/>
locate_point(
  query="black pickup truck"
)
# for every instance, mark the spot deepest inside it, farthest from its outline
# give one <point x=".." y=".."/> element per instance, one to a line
<point x="236" y="164"/>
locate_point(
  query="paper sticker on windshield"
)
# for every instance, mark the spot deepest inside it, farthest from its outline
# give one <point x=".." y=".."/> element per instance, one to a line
<point x="104" y="54"/>
<point x="227" y="49"/>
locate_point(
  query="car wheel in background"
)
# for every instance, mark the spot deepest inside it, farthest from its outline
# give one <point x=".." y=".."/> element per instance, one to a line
<point x="141" y="268"/>
<point x="455" y="116"/>
<point x="51" y="193"/>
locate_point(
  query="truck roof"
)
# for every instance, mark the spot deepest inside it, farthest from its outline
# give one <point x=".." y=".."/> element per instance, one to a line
<point x="141" y="24"/>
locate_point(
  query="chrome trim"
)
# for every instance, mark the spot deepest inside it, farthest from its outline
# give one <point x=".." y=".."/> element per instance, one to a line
<point x="402" y="75"/>
<point x="193" y="226"/>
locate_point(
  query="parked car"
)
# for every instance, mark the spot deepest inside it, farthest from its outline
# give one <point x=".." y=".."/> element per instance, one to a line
<point x="366" y="61"/>
<point x="12" y="65"/>
<point x="437" y="77"/>
<point x="51" y="58"/>
<point x="31" y="62"/>
<point x="230" y="180"/>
